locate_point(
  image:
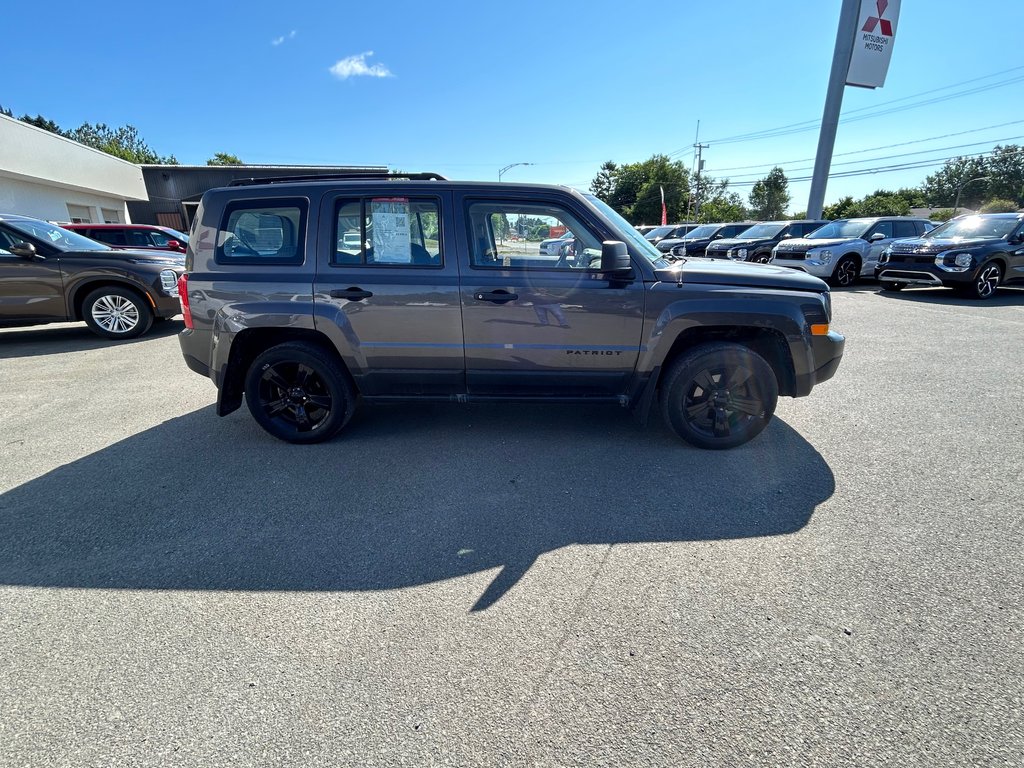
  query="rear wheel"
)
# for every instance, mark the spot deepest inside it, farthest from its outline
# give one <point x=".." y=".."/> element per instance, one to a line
<point x="298" y="392"/>
<point x="719" y="395"/>
<point x="116" y="313"/>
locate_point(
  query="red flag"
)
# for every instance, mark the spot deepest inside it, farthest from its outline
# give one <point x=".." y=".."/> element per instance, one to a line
<point x="664" y="210"/>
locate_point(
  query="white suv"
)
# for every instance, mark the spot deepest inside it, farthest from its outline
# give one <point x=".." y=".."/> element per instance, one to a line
<point x="846" y="249"/>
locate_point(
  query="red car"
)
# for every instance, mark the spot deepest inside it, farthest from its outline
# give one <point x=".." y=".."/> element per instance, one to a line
<point x="133" y="236"/>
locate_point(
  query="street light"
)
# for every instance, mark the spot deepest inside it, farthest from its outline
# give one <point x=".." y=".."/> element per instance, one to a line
<point x="960" y="189"/>
<point x="513" y="165"/>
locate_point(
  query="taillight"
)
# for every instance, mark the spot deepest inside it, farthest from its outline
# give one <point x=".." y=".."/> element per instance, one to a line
<point x="186" y="310"/>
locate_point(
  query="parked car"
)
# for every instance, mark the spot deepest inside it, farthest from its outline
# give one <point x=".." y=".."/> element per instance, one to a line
<point x="695" y="242"/>
<point x="973" y="254"/>
<point x="49" y="274"/>
<point x="846" y="249"/>
<point x="658" y="234"/>
<point x="756" y="242"/>
<point x="643" y="229"/>
<point x="314" y="330"/>
<point x="551" y="246"/>
<point x="137" y="237"/>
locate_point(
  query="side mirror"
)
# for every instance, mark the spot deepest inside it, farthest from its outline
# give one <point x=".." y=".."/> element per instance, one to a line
<point x="615" y="257"/>
<point x="24" y="250"/>
<point x="876" y="237"/>
<point x="786" y="236"/>
<point x="174" y="245"/>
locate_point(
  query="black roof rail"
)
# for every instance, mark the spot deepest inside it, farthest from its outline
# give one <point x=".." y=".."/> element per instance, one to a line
<point x="366" y="175"/>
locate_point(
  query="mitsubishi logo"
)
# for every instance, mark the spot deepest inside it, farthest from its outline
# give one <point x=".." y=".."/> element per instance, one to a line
<point x="874" y="21"/>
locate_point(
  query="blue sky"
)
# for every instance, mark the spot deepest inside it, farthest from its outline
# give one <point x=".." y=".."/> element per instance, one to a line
<point x="464" y="88"/>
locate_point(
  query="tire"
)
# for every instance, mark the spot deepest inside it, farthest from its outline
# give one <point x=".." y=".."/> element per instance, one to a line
<point x="985" y="283"/>
<point x="893" y="286"/>
<point x="761" y="258"/>
<point x="299" y="392"/>
<point x="696" y="405"/>
<point x="114" y="312"/>
<point x="846" y="273"/>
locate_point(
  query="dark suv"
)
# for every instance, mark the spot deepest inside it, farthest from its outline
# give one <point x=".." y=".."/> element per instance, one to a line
<point x="49" y="274"/>
<point x="429" y="302"/>
<point x="696" y="241"/>
<point x="973" y="254"/>
<point x="756" y="243"/>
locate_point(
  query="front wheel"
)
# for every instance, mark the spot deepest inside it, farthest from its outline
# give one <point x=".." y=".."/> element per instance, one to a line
<point x="719" y="395"/>
<point x="762" y="258"/>
<point x="846" y="273"/>
<point x="299" y="393"/>
<point x="986" y="283"/>
<point x="116" y="313"/>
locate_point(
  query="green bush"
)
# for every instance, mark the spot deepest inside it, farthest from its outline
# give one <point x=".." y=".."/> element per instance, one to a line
<point x="943" y="214"/>
<point x="999" y="206"/>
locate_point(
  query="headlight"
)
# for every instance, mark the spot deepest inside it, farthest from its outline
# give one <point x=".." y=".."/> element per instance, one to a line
<point x="962" y="259"/>
<point x="825" y="257"/>
<point x="730" y="254"/>
<point x="884" y="257"/>
<point x="169" y="282"/>
<point x="954" y="262"/>
<point x="742" y="253"/>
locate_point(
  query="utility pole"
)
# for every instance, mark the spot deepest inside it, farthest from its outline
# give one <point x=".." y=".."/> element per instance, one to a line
<point x="849" y="15"/>
<point x="700" y="167"/>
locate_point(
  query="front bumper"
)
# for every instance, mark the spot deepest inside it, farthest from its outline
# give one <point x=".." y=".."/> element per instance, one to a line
<point x="826" y="354"/>
<point x="922" y="274"/>
<point x="810" y="266"/>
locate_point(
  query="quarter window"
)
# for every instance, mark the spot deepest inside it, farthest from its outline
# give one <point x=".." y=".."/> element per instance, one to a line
<point x="263" y="232"/>
<point x="387" y="231"/>
<point x="510" y="235"/>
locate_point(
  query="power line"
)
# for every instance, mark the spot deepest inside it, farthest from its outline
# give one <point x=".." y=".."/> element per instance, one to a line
<point x="869" y="149"/>
<point x="874" y="110"/>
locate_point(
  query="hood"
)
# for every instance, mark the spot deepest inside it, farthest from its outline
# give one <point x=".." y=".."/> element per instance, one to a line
<point x="933" y="245"/>
<point x="735" y="242"/>
<point x="157" y="258"/>
<point x="740" y="273"/>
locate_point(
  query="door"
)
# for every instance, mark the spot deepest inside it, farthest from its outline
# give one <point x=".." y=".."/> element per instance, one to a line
<point x="875" y="248"/>
<point x="387" y="291"/>
<point x="31" y="290"/>
<point x="538" y="325"/>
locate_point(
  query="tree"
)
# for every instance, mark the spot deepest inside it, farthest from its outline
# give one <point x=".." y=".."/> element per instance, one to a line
<point x="5" y="111"/>
<point x="604" y="183"/>
<point x="881" y="203"/>
<point x="223" y="158"/>
<point x="41" y="122"/>
<point x="941" y="187"/>
<point x="635" y="189"/>
<point x="1006" y="167"/>
<point x="724" y="206"/>
<point x="123" y="142"/>
<point x="769" y="198"/>
<point x="843" y="209"/>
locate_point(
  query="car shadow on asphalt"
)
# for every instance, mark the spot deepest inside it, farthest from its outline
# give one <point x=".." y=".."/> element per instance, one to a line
<point x="1005" y="297"/>
<point x="408" y="495"/>
<point x="45" y="340"/>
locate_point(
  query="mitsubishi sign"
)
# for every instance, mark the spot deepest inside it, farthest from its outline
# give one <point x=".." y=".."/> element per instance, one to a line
<point x="872" y="45"/>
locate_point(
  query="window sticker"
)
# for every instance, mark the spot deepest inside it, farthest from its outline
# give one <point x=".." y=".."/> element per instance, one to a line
<point x="55" y="235"/>
<point x="389" y="218"/>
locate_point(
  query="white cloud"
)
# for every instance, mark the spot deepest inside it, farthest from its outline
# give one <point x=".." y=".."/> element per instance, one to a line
<point x="356" y="66"/>
<point x="282" y="38"/>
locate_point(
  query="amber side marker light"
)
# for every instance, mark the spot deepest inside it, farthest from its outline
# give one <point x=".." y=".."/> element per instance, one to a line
<point x="819" y="329"/>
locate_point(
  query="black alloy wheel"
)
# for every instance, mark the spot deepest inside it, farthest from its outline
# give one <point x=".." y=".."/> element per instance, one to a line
<point x="762" y="258"/>
<point x="986" y="282"/>
<point x="299" y="392"/>
<point x="847" y="271"/>
<point x="719" y="395"/>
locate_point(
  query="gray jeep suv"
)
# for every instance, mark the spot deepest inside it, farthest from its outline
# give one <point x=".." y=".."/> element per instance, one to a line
<point x="434" y="301"/>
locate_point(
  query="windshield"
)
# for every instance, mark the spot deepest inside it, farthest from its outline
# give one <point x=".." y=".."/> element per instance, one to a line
<point x="180" y="236"/>
<point x="975" y="227"/>
<point x="658" y="232"/>
<point x="625" y="229"/>
<point x="842" y="229"/>
<point x="700" y="233"/>
<point x="761" y="232"/>
<point x="58" y="237"/>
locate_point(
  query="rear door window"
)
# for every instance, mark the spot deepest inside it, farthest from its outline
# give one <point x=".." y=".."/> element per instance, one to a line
<point x="904" y="229"/>
<point x="388" y="231"/>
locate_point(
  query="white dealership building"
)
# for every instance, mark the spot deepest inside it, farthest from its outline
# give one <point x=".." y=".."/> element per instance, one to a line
<point x="53" y="178"/>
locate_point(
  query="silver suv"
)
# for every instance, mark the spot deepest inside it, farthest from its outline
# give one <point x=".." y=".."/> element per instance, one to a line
<point x="846" y="249"/>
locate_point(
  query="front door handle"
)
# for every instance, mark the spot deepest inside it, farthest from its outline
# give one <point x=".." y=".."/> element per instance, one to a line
<point x="352" y="294"/>
<point x="498" y="297"/>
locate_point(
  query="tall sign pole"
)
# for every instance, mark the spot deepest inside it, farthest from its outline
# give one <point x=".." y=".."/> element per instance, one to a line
<point x="864" y="42"/>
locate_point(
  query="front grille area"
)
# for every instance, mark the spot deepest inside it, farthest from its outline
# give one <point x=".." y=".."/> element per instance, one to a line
<point x="910" y="248"/>
<point x="791" y="255"/>
<point x="901" y="259"/>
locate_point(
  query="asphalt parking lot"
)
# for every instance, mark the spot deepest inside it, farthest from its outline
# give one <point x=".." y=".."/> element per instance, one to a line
<point x="518" y="585"/>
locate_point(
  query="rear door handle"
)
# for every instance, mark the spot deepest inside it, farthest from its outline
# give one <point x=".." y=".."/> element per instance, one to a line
<point x="497" y="297"/>
<point x="352" y="294"/>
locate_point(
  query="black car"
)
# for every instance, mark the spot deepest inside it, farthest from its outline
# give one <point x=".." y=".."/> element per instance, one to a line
<point x="974" y="254"/>
<point x="669" y="231"/>
<point x="697" y="240"/>
<point x="756" y="243"/>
